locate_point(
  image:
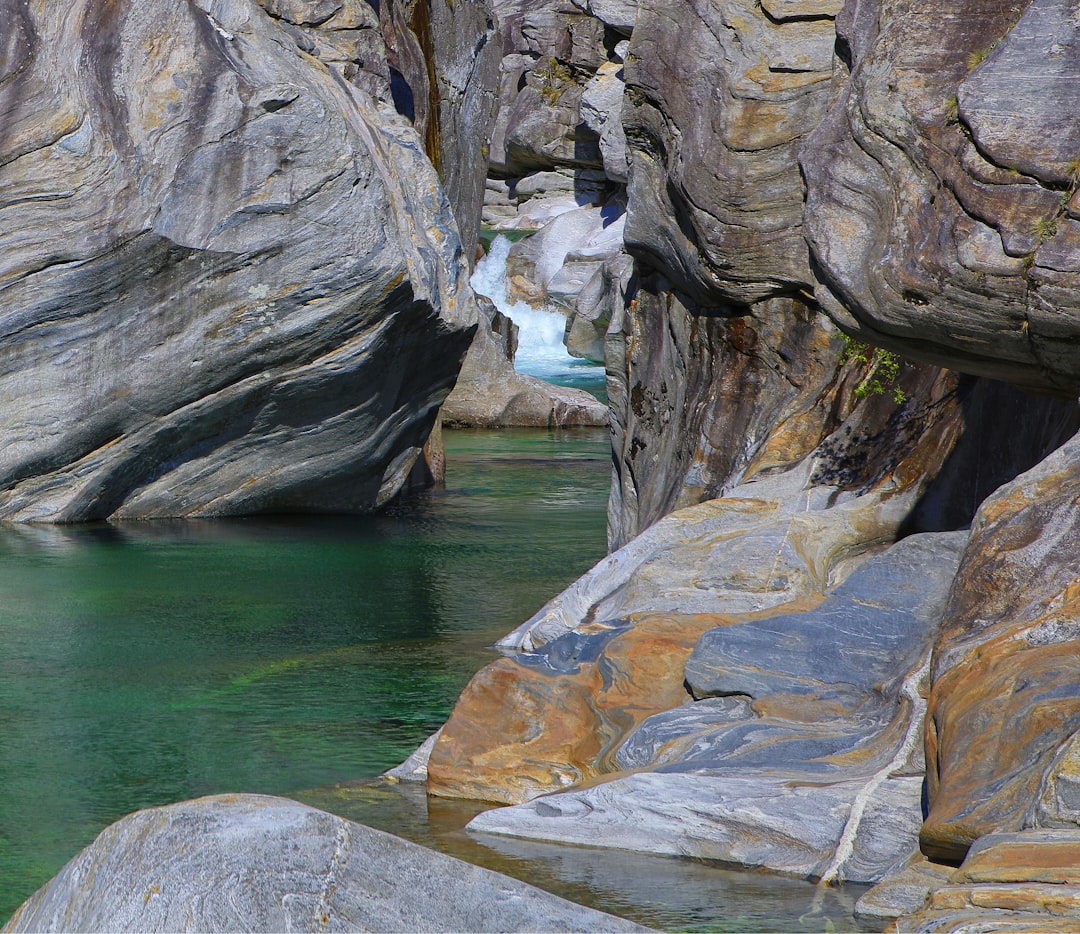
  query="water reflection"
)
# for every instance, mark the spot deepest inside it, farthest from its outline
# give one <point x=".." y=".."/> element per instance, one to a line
<point x="661" y="892"/>
<point x="149" y="662"/>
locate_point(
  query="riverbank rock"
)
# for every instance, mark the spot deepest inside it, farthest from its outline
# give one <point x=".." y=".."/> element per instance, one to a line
<point x="236" y="284"/>
<point x="257" y="863"/>
<point x="800" y="750"/>
<point x="755" y="651"/>
<point x="1005" y="706"/>
<point x="1027" y="881"/>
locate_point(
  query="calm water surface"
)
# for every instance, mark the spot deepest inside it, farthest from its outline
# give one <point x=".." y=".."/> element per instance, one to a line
<point x="151" y="662"/>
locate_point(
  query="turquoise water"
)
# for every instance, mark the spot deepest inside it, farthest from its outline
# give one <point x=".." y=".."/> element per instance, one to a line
<point x="151" y="662"/>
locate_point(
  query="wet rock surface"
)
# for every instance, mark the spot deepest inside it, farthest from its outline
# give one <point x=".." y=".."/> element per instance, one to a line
<point x="256" y="863"/>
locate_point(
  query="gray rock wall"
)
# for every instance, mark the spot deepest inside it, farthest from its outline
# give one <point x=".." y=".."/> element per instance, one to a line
<point x="941" y="188"/>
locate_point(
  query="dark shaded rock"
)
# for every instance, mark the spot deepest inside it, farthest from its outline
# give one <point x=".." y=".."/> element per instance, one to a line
<point x="255" y="863"/>
<point x="699" y="402"/>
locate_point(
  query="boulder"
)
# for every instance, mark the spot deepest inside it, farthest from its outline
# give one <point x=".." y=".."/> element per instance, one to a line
<point x="807" y="760"/>
<point x="550" y="51"/>
<point x="257" y="863"/>
<point x="490" y="393"/>
<point x="902" y="892"/>
<point x="595" y="304"/>
<point x="601" y="112"/>
<point x="236" y="284"/>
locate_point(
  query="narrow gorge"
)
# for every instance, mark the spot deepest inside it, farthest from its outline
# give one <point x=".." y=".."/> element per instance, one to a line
<point x="827" y="253"/>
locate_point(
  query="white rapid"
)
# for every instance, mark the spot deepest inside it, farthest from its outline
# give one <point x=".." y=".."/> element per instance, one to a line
<point x="541" y="351"/>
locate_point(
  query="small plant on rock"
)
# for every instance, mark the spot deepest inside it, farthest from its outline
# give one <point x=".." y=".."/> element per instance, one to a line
<point x="1046" y="229"/>
<point x="883" y="373"/>
<point x="975" y="59"/>
<point x="554" y="76"/>
<point x="952" y="109"/>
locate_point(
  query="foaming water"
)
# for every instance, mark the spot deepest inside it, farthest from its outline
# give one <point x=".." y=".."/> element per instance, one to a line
<point x="541" y="349"/>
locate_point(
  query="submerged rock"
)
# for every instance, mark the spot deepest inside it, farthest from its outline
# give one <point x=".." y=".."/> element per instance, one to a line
<point x="256" y="863"/>
<point x="235" y="284"/>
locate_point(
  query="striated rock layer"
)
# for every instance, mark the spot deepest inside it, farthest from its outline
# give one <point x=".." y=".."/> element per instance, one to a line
<point x="744" y="676"/>
<point x="232" y="281"/>
<point x="941" y="208"/>
<point x="742" y="681"/>
<point x="1001" y="745"/>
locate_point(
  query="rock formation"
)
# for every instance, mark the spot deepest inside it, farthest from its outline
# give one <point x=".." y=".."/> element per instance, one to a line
<point x="256" y="863"/>
<point x="234" y="283"/>
<point x="813" y="540"/>
<point x="794" y="166"/>
<point x="941" y="206"/>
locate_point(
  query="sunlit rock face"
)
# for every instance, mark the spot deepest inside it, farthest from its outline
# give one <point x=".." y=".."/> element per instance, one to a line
<point x="744" y="679"/>
<point x="719" y="365"/>
<point x="941" y="189"/>
<point x="258" y="863"/>
<point x="232" y="281"/>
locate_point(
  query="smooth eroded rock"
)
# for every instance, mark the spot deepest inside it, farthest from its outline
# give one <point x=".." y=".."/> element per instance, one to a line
<point x="940" y="206"/>
<point x="235" y="284"/>
<point x="807" y="764"/>
<point x="1001" y="743"/>
<point x="257" y="863"/>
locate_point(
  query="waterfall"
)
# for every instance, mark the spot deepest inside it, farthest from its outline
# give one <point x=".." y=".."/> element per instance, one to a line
<point x="541" y="351"/>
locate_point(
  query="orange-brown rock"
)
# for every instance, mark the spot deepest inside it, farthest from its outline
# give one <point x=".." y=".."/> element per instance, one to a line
<point x="1025" y="881"/>
<point x="1001" y="742"/>
<point x="541" y="721"/>
<point x="1051" y="856"/>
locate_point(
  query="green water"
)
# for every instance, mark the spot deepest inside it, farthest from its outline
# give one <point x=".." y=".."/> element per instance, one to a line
<point x="151" y="662"/>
